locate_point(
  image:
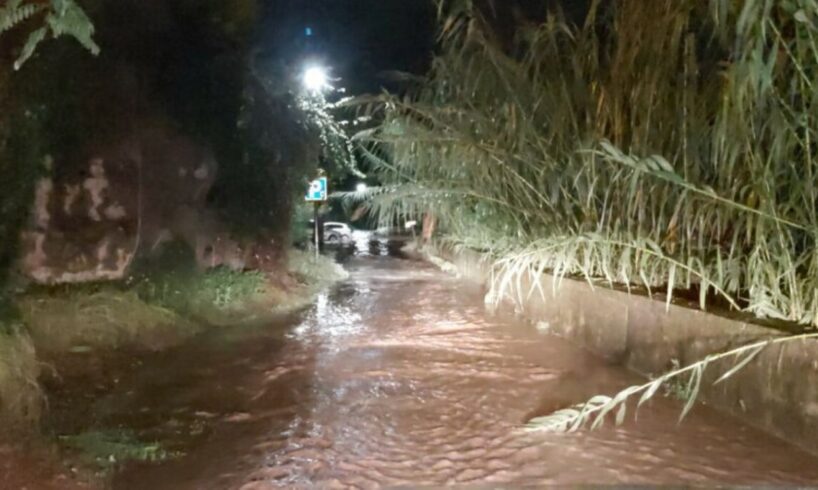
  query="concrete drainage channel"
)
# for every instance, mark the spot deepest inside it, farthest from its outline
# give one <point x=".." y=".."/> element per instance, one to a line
<point x="776" y="392"/>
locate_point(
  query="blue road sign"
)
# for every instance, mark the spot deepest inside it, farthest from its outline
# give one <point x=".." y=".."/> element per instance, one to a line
<point x="317" y="191"/>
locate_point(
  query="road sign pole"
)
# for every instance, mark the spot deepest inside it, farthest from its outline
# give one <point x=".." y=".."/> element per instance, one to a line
<point x="315" y="219"/>
<point x="316" y="194"/>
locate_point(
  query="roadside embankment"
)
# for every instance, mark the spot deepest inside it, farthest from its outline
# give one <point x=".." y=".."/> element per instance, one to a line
<point x="148" y="312"/>
<point x="777" y="391"/>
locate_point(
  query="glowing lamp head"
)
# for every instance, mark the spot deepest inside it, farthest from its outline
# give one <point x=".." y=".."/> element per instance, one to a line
<point x="361" y="188"/>
<point x="315" y="79"/>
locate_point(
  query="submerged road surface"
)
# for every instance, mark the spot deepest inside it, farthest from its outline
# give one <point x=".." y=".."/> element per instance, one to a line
<point x="398" y="377"/>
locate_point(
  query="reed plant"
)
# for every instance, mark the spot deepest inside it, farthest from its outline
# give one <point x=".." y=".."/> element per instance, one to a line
<point x="686" y="381"/>
<point x="666" y="144"/>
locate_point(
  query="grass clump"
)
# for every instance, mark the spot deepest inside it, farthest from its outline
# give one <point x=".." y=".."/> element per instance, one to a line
<point x="227" y="289"/>
<point x="106" y="449"/>
<point x="215" y="297"/>
<point x="224" y="297"/>
<point x="307" y="276"/>
<point x="21" y="399"/>
<point x="74" y="318"/>
<point x="314" y="272"/>
<point x="218" y="296"/>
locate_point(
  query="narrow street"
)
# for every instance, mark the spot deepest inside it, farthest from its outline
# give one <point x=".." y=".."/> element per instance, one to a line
<point x="213" y="216"/>
<point x="399" y="377"/>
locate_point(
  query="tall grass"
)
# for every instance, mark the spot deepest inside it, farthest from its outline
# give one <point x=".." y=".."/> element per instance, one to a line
<point x="62" y="321"/>
<point x="224" y="297"/>
<point x="21" y="399"/>
<point x="667" y="144"/>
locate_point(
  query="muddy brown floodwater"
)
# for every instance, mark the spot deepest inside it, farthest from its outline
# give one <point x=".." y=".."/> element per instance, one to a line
<point x="398" y="377"/>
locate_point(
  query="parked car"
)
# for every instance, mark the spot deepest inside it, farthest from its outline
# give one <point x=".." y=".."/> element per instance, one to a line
<point x="336" y="233"/>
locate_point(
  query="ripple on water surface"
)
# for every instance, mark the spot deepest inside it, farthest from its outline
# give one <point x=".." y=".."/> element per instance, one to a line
<point x="399" y="377"/>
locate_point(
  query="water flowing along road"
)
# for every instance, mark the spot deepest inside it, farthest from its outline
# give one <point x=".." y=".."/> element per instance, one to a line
<point x="398" y="377"/>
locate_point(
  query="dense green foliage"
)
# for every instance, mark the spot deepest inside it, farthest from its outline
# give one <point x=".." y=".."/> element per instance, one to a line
<point x="274" y="153"/>
<point x="674" y="153"/>
<point x="59" y="18"/>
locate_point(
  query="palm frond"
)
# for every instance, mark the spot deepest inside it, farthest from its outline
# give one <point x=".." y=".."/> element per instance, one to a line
<point x="676" y="154"/>
<point x="595" y="411"/>
<point x="14" y="13"/>
<point x="62" y="18"/>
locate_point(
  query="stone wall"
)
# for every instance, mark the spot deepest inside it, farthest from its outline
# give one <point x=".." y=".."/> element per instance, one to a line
<point x="777" y="392"/>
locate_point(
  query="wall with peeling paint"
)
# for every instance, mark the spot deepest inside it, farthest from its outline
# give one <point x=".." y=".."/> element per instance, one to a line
<point x="89" y="223"/>
<point x="168" y="135"/>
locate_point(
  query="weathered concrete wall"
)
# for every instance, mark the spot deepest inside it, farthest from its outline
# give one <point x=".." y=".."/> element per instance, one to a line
<point x="90" y="219"/>
<point x="777" y="392"/>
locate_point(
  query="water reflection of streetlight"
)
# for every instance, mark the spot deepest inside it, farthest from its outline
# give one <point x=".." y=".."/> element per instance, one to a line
<point x="361" y="239"/>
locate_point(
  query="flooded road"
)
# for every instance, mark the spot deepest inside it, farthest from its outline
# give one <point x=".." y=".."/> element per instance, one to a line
<point x="398" y="377"/>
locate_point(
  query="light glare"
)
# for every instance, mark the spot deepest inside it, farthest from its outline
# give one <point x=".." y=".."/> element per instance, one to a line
<point x="315" y="79"/>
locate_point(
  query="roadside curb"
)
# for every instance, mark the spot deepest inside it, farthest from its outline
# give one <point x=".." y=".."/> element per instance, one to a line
<point x="777" y="392"/>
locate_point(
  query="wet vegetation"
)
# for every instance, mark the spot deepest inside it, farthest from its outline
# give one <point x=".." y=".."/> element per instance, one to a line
<point x="104" y="316"/>
<point x="106" y="449"/>
<point x="675" y="154"/>
<point x="20" y="392"/>
<point x="225" y="297"/>
<point x="150" y="311"/>
<point x="150" y="86"/>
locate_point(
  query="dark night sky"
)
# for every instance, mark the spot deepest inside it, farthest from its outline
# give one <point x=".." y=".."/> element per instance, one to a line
<point x="360" y="39"/>
<point x="357" y="39"/>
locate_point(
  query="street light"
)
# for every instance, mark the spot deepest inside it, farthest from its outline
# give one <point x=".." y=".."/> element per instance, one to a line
<point x="316" y="79"/>
<point x="361" y="188"/>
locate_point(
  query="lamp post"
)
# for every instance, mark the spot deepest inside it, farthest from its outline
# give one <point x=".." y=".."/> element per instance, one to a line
<point x="315" y="81"/>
